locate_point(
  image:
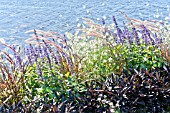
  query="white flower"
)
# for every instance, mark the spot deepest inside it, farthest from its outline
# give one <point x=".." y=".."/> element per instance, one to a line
<point x="104" y="53"/>
<point x="107" y="34"/>
<point x="104" y="61"/>
<point x="110" y="59"/>
<point x="95" y="57"/>
<point x="99" y="99"/>
<point x="111" y="103"/>
<point x="117" y="104"/>
<point x="112" y="111"/>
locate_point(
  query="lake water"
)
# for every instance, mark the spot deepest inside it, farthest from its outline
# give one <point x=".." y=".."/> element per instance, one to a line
<point x="18" y="16"/>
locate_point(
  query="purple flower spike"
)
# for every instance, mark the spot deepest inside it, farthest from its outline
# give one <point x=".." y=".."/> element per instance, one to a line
<point x="114" y="20"/>
<point x="39" y="71"/>
<point x="119" y="32"/>
<point x="145" y="38"/>
<point x="48" y="57"/>
<point x="136" y="35"/>
<point x="58" y="57"/>
<point x="33" y="54"/>
<point x="157" y="40"/>
<point x="144" y="35"/>
<point x="18" y="59"/>
<point x="37" y="51"/>
<point x="103" y="21"/>
<point x="51" y="51"/>
<point x="126" y="31"/>
<point x="130" y="38"/>
<point x="120" y="35"/>
<point x="148" y="34"/>
<point x="46" y="53"/>
<point x="28" y="56"/>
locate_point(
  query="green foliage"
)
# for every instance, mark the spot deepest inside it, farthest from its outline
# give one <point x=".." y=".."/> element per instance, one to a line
<point x="49" y="84"/>
<point x="107" y="59"/>
<point x="143" y="56"/>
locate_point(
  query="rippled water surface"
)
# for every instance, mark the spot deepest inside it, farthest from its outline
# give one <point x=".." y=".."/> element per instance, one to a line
<point x="18" y="16"/>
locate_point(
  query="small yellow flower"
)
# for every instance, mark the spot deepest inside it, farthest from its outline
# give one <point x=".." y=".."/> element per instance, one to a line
<point x="67" y="74"/>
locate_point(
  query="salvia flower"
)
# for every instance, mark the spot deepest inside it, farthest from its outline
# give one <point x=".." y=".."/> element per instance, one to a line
<point x="157" y="40"/>
<point x="114" y="20"/>
<point x="47" y="56"/>
<point x="17" y="57"/>
<point x="126" y="30"/>
<point x="33" y="53"/>
<point x="127" y="34"/>
<point x="130" y="38"/>
<point x="103" y="21"/>
<point x="149" y="35"/>
<point x="51" y="51"/>
<point x="144" y="35"/>
<point x="135" y="35"/>
<point x="27" y="53"/>
<point x="39" y="70"/>
<point x="58" y="58"/>
<point x="37" y="51"/>
<point x="120" y="38"/>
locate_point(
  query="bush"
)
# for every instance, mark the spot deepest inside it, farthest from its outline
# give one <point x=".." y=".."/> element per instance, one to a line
<point x="99" y="69"/>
